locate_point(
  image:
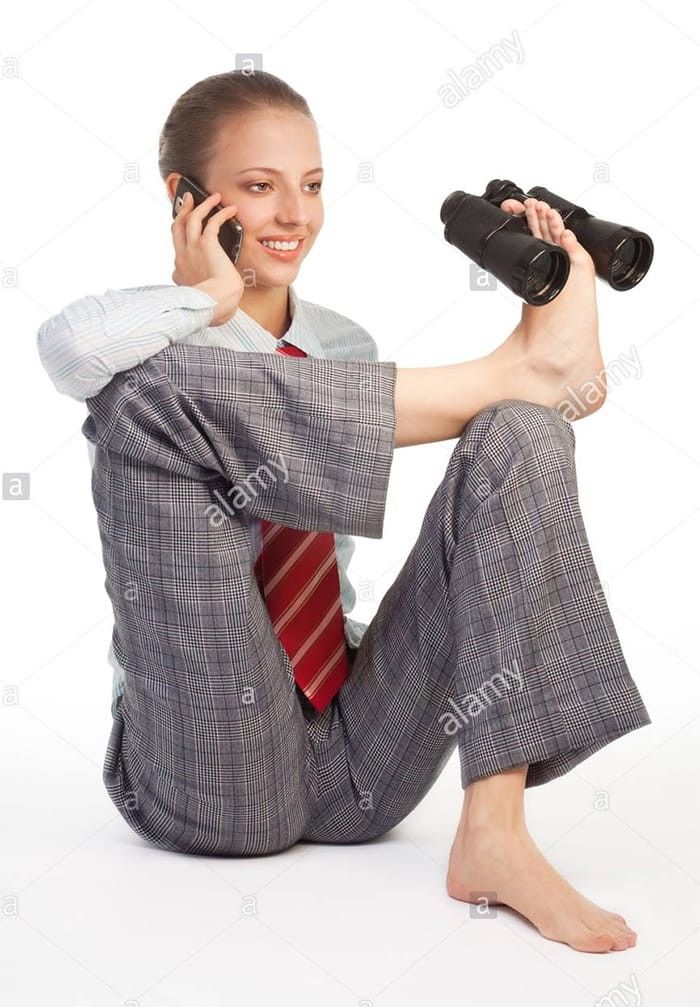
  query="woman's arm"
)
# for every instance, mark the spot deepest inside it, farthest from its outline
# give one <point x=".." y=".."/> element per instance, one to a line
<point x="95" y="337"/>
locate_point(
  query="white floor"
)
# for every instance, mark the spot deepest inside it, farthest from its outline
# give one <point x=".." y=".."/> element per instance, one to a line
<point x="92" y="916"/>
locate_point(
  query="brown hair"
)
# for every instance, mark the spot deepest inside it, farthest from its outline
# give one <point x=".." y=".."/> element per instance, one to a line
<point x="188" y="139"/>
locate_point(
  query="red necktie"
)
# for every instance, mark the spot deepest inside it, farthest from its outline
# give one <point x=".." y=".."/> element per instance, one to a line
<point x="297" y="572"/>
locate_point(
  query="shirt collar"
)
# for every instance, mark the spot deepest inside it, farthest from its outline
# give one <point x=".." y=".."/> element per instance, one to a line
<point x="300" y="332"/>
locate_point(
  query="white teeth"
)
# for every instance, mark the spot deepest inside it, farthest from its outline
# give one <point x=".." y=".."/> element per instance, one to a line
<point x="281" y="246"/>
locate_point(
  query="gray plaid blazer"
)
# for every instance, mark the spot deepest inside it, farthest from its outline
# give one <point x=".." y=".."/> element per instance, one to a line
<point x="190" y="447"/>
<point x="97" y="336"/>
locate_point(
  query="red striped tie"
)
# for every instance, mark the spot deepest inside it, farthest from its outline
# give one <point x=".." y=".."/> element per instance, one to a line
<point x="297" y="572"/>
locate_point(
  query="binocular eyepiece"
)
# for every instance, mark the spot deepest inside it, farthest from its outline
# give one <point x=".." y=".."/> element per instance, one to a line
<point x="532" y="268"/>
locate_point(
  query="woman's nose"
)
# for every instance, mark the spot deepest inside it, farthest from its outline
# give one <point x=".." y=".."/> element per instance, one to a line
<point x="291" y="211"/>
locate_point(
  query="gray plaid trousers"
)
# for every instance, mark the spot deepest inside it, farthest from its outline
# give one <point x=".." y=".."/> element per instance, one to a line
<point x="495" y="637"/>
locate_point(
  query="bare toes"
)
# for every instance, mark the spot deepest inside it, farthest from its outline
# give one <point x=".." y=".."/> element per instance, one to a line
<point x="595" y="942"/>
<point x="622" y="931"/>
<point x="532" y="218"/>
<point x="622" y="942"/>
<point x="542" y="215"/>
<point x="603" y="921"/>
<point x="512" y="206"/>
<point x="556" y="224"/>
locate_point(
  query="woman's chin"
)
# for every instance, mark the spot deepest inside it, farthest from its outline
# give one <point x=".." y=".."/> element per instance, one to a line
<point x="268" y="272"/>
<point x="276" y="274"/>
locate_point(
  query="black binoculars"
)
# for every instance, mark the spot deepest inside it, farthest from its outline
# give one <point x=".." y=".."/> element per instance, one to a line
<point x="534" y="269"/>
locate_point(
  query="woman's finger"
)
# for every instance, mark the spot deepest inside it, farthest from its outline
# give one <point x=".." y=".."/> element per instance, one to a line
<point x="218" y="218"/>
<point x="193" y="221"/>
<point x="177" y="228"/>
<point x="181" y="213"/>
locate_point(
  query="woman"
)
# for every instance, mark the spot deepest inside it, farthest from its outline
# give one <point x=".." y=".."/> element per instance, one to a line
<point x="494" y="637"/>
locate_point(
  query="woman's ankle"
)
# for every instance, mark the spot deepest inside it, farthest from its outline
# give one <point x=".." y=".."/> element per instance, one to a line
<point x="495" y="803"/>
<point x="492" y="822"/>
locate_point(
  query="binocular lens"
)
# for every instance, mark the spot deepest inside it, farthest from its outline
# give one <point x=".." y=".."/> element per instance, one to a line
<point x="546" y="276"/>
<point x="630" y="262"/>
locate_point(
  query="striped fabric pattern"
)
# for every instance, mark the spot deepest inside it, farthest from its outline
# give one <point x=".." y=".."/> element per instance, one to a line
<point x="297" y="572"/>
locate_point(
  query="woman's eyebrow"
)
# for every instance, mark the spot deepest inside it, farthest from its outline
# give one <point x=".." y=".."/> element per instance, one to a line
<point x="275" y="171"/>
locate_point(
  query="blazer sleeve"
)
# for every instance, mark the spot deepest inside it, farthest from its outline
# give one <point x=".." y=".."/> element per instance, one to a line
<point x="304" y="441"/>
<point x="95" y="337"/>
<point x="364" y="348"/>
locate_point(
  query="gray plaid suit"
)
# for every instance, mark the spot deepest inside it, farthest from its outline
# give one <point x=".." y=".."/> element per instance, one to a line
<point x="495" y="636"/>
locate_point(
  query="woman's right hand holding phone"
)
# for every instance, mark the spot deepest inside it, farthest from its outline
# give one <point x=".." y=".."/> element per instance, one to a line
<point x="200" y="260"/>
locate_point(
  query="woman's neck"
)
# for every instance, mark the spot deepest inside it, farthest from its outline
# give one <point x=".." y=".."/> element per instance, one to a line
<point x="269" y="307"/>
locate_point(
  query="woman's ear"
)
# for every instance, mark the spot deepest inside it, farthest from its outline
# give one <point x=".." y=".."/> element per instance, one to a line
<point x="171" y="184"/>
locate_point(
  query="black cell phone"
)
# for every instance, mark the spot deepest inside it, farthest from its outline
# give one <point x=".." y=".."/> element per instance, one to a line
<point x="230" y="232"/>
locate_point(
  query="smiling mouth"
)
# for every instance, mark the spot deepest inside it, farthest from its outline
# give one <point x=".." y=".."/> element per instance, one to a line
<point x="261" y="240"/>
<point x="284" y="253"/>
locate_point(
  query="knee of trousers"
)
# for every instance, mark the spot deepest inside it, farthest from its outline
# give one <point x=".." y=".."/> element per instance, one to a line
<point x="181" y="823"/>
<point x="188" y="819"/>
<point x="515" y="429"/>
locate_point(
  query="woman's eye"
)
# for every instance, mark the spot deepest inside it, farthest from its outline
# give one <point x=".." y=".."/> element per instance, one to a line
<point x="256" y="184"/>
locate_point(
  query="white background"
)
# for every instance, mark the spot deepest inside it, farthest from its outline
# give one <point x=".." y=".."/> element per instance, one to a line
<point x="604" y="109"/>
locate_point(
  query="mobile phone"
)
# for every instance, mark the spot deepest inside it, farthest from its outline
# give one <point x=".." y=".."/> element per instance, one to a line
<point x="230" y="232"/>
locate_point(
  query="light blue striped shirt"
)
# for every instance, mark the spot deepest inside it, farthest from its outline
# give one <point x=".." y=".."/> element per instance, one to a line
<point x="95" y="337"/>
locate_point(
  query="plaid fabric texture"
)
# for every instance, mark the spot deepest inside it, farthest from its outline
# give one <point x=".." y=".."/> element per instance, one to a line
<point x="97" y="336"/>
<point x="494" y="637"/>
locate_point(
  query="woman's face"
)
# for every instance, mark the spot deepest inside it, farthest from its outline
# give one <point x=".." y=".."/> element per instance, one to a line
<point x="284" y="203"/>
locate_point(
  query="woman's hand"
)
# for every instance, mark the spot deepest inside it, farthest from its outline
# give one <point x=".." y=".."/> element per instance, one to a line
<point x="200" y="260"/>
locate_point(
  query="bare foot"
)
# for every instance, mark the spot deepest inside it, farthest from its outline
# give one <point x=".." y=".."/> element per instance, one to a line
<point x="504" y="861"/>
<point x="555" y="346"/>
